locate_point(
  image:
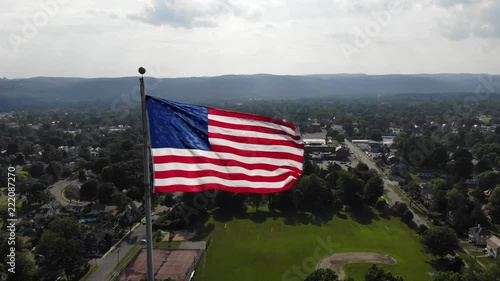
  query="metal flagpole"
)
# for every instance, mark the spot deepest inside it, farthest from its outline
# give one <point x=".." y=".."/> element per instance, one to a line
<point x="147" y="180"/>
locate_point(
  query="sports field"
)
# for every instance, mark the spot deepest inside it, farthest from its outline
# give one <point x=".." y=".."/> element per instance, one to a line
<point x="266" y="247"/>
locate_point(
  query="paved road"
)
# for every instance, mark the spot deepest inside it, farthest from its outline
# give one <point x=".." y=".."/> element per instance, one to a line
<point x="57" y="189"/>
<point x="361" y="156"/>
<point x="109" y="261"/>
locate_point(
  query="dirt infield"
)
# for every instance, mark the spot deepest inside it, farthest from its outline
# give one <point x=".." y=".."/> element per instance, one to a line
<point x="166" y="264"/>
<point x="179" y="235"/>
<point x="336" y="262"/>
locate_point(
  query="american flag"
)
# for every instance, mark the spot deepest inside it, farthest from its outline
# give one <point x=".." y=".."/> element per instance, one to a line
<point x="195" y="148"/>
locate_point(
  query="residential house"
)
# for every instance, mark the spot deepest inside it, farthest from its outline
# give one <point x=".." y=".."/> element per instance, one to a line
<point x="423" y="174"/>
<point x="46" y="212"/>
<point x="427" y="194"/>
<point x="94" y="152"/>
<point x="392" y="159"/>
<point x="493" y="246"/>
<point x="375" y="147"/>
<point x="452" y="217"/>
<point x="487" y="214"/>
<point x="101" y="237"/>
<point x="135" y="210"/>
<point x="341" y="153"/>
<point x="431" y="173"/>
<point x="94" y="242"/>
<point x="478" y="235"/>
<point x="97" y="209"/>
<point x="399" y="169"/>
<point x="472" y="180"/>
<point x="77" y="209"/>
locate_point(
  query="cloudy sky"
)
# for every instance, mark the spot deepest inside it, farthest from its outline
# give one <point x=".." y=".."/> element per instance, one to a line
<point x="179" y="38"/>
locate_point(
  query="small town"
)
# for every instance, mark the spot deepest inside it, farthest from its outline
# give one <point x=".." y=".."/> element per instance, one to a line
<point x="238" y="140"/>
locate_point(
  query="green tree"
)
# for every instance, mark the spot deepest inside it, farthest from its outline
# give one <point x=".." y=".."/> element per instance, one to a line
<point x="487" y="180"/>
<point x="376" y="135"/>
<point x="308" y="167"/>
<point x="340" y="138"/>
<point x="124" y="221"/>
<point x="407" y="216"/>
<point x="456" y="200"/>
<point x="422" y="229"/>
<point x="414" y="191"/>
<point x="104" y="192"/>
<point x="376" y="273"/>
<point x="72" y="193"/>
<point x="461" y="166"/>
<point x="25" y="267"/>
<point x="167" y="199"/>
<point x="495" y="203"/>
<point x="349" y="185"/>
<point x="99" y="164"/>
<point x="88" y="190"/>
<point x="37" y="169"/>
<point x="119" y="199"/>
<point x="256" y="200"/>
<point x="322" y="274"/>
<point x="491" y="272"/>
<point x="230" y="202"/>
<point x="440" y="240"/>
<point x="62" y="246"/>
<point x="373" y="189"/>
<point x="482" y="166"/>
<point x="448" y="276"/>
<point x="401" y="208"/>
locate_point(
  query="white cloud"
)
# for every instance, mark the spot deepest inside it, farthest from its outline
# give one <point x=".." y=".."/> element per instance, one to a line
<point x="467" y="18"/>
<point x="202" y="38"/>
<point x="193" y="13"/>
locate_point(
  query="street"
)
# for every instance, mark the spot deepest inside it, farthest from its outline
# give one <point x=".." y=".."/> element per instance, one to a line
<point x="57" y="189"/>
<point x="361" y="156"/>
<point x="109" y="261"/>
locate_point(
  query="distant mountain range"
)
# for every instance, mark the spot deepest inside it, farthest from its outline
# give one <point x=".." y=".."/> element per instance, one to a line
<point x="50" y="92"/>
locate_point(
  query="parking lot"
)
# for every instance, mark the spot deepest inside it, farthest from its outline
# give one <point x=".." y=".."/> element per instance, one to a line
<point x="350" y="162"/>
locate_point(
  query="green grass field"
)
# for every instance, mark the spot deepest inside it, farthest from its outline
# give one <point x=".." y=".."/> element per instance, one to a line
<point x="262" y="247"/>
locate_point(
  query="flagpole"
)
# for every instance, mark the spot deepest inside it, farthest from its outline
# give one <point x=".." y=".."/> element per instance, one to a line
<point x="147" y="181"/>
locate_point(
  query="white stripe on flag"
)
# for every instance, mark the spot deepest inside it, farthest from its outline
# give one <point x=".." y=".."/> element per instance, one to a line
<point x="252" y="134"/>
<point x="242" y="121"/>
<point x="224" y="156"/>
<point x="216" y="180"/>
<point x="222" y="169"/>
<point x="256" y="147"/>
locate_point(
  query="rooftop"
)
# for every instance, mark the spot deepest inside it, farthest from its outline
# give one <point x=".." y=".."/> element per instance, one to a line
<point x="495" y="240"/>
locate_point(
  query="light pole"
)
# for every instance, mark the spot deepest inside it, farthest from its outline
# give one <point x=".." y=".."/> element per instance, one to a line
<point x="118" y="252"/>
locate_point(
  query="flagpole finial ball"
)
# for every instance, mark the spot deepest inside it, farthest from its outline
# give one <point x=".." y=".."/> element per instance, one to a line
<point x="142" y="70"/>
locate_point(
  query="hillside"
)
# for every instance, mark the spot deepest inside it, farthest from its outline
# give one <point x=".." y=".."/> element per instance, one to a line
<point x="49" y="92"/>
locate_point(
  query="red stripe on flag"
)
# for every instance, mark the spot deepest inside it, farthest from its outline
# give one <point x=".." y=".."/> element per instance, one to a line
<point x="249" y="153"/>
<point x="249" y="116"/>
<point x="221" y="175"/>
<point x="251" y="128"/>
<point x="251" y="140"/>
<point x="203" y="187"/>
<point x="220" y="162"/>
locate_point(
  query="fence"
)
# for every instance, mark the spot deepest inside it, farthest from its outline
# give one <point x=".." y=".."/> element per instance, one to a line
<point x="134" y="252"/>
<point x="191" y="270"/>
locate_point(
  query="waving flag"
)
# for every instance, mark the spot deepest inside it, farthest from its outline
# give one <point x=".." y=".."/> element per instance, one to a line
<point x="195" y="148"/>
